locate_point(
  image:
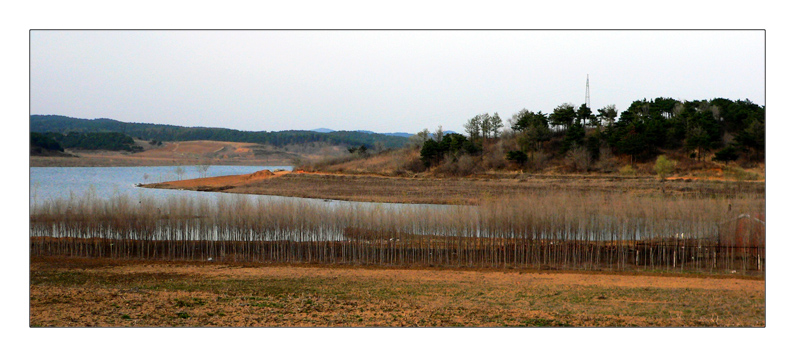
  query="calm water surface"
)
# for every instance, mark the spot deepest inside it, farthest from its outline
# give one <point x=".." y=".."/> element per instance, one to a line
<point x="49" y="183"/>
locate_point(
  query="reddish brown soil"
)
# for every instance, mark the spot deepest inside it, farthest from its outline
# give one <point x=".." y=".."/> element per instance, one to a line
<point x="219" y="183"/>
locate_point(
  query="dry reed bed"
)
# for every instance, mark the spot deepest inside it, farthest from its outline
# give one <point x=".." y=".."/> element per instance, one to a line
<point x="539" y="230"/>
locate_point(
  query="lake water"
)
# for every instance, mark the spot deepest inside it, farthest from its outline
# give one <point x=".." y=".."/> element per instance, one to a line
<point x="49" y="183"/>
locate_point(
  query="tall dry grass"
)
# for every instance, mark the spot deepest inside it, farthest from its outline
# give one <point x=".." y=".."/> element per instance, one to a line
<point x="538" y="230"/>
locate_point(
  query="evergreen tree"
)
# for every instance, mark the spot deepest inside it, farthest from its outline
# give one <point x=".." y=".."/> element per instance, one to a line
<point x="563" y="115"/>
<point x="585" y="116"/>
<point x="607" y="115"/>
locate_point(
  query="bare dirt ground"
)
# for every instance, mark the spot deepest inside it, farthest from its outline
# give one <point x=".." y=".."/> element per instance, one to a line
<point x="101" y="292"/>
<point x="373" y="188"/>
<point x="219" y="183"/>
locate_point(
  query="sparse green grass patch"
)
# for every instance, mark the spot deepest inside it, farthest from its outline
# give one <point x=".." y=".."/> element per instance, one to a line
<point x="739" y="174"/>
<point x="542" y="323"/>
<point x="189" y="302"/>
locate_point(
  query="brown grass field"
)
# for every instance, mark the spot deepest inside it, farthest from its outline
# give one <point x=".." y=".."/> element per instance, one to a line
<point x="474" y="190"/>
<point x="104" y="292"/>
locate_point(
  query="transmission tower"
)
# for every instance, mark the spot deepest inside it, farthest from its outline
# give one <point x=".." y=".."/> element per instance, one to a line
<point x="587" y="92"/>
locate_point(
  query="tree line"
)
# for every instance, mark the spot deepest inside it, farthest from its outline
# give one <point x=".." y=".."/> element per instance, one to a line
<point x="162" y="132"/>
<point x="87" y="141"/>
<point x="39" y="142"/>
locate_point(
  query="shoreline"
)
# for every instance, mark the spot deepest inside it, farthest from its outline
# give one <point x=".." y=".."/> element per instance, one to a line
<point x="451" y="190"/>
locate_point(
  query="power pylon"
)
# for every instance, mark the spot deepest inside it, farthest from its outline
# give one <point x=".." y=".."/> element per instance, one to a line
<point x="587" y="92"/>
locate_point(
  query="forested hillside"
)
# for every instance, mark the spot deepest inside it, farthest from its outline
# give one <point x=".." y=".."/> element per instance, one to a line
<point x="719" y="130"/>
<point x="161" y="132"/>
<point x="650" y="136"/>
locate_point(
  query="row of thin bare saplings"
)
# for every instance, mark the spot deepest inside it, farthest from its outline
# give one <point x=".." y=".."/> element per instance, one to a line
<point x="556" y="230"/>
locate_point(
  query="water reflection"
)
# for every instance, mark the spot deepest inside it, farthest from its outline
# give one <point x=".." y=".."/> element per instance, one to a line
<point x="71" y="183"/>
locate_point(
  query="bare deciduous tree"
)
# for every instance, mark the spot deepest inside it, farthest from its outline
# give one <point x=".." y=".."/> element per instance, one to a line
<point x="202" y="167"/>
<point x="179" y="171"/>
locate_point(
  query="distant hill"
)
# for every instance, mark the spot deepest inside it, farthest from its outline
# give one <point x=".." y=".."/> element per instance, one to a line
<point x="323" y="130"/>
<point x="407" y="135"/>
<point x="404" y="135"/>
<point x="162" y="132"/>
<point x="398" y="134"/>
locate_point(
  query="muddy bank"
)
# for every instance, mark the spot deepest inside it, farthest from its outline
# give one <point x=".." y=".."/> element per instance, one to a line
<point x="219" y="183"/>
<point x="431" y="190"/>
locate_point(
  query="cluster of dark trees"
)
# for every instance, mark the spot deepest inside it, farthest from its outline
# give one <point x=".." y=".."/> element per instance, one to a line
<point x="160" y="132"/>
<point x="40" y="142"/>
<point x="725" y="127"/>
<point x="721" y="125"/>
<point x="433" y="151"/>
<point x="566" y="124"/>
<point x="361" y="150"/>
<point x="86" y="141"/>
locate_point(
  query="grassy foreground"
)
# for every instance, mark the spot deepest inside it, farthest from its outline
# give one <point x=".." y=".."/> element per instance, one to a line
<point x="103" y="292"/>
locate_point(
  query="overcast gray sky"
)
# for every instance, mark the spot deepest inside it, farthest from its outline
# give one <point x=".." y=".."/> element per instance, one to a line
<point x="382" y="81"/>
